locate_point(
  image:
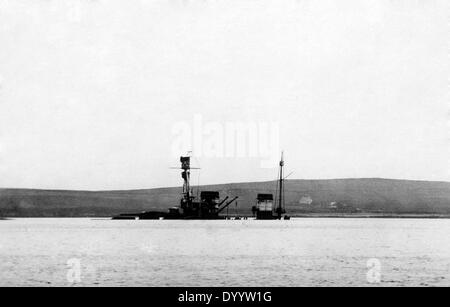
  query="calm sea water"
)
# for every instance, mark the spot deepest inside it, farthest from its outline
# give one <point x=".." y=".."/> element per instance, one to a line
<point x="299" y="252"/>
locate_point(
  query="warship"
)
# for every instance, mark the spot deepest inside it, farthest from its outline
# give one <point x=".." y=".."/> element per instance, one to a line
<point x="207" y="207"/>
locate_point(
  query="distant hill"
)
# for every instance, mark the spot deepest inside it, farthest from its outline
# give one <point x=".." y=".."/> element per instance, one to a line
<point x="369" y="195"/>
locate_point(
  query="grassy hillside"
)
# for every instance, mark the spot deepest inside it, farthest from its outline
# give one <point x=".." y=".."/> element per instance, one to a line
<point x="369" y="195"/>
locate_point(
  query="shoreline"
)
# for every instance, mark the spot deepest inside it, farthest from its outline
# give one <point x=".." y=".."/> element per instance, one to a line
<point x="303" y="215"/>
<point x="374" y="216"/>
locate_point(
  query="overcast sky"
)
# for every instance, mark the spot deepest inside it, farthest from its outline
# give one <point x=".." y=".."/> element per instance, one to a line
<point x="90" y="91"/>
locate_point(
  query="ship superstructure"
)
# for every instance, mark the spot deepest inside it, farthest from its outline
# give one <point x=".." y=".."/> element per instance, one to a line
<point x="208" y="206"/>
<point x="265" y="209"/>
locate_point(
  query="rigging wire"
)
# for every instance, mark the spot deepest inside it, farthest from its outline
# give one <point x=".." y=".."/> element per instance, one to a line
<point x="198" y="177"/>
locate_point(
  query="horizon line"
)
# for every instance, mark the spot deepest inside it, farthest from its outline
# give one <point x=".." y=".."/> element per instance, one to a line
<point x="215" y="184"/>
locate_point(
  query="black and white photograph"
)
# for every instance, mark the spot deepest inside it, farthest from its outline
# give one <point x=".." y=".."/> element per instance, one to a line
<point x="212" y="144"/>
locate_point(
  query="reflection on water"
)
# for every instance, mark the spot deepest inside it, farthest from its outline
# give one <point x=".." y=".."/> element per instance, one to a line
<point x="299" y="252"/>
